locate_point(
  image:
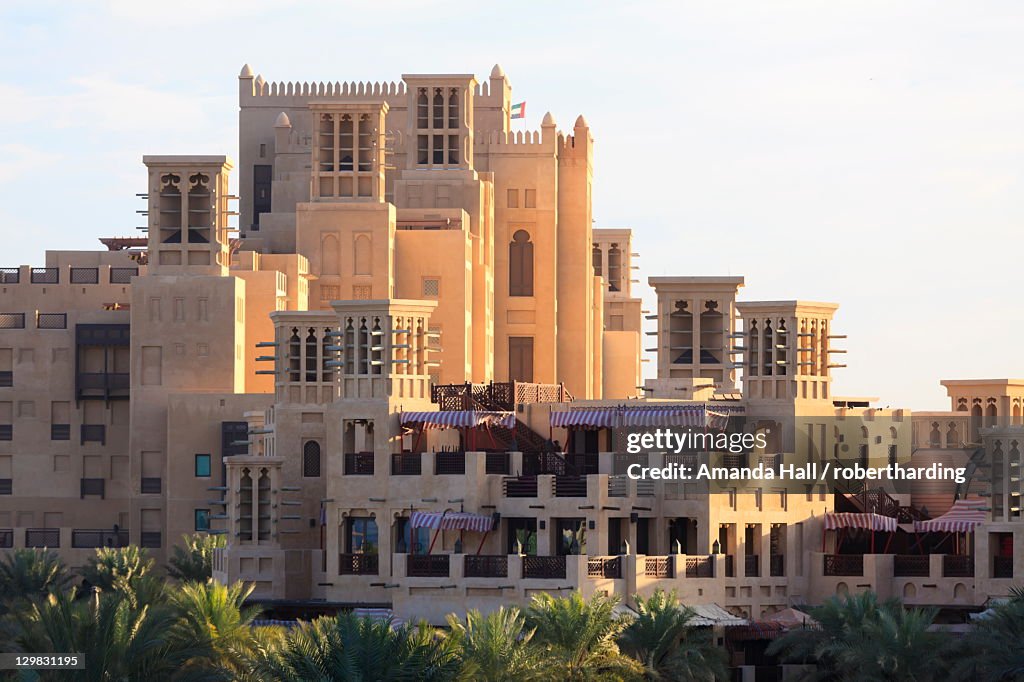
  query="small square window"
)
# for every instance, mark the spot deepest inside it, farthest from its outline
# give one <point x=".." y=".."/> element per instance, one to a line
<point x="431" y="287"/>
<point x="202" y="517"/>
<point x="513" y="198"/>
<point x="203" y="466"/>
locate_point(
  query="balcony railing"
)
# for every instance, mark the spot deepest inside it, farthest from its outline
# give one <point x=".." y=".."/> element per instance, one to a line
<point x="957" y="566"/>
<point x="45" y="276"/>
<point x="427" y="565"/>
<point x="85" y="275"/>
<point x="569" y="486"/>
<point x="843" y="564"/>
<point x="604" y="567"/>
<point x="6" y="431"/>
<point x="10" y="275"/>
<point x="1002" y="567"/>
<point x="618" y="486"/>
<point x="659" y="567"/>
<point x="6" y="486"/>
<point x="520" y="486"/>
<point x="540" y="463"/>
<point x="94" y="433"/>
<point x="150" y="485"/>
<point x="52" y="321"/>
<point x="122" y="275"/>
<point x="544" y="567"/>
<point x="92" y="486"/>
<point x="358" y="564"/>
<point x="60" y="431"/>
<point x="12" y="320"/>
<point x="450" y="463"/>
<point x="6" y="538"/>
<point x="485" y="566"/>
<point x="777" y="565"/>
<point x="359" y="464"/>
<point x="751" y="565"/>
<point x="406" y="464"/>
<point x="42" y="537"/>
<point x="497" y="463"/>
<point x="150" y="539"/>
<point x="88" y="538"/>
<point x="911" y="566"/>
<point x="700" y="567"/>
<point x="730" y="566"/>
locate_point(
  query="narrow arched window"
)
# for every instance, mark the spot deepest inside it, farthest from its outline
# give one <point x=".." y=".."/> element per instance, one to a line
<point x="422" y="110"/>
<point x="311" y="459"/>
<point x="453" y="109"/>
<point x="520" y="265"/>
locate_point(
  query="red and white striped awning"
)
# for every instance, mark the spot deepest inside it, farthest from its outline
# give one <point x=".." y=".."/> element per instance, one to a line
<point x="459" y="419"/>
<point x="451" y="521"/>
<point x="696" y="416"/>
<point x="837" y="520"/>
<point x="962" y="517"/>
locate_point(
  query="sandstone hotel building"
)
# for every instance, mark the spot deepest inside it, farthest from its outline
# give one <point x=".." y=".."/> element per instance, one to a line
<point x="396" y="371"/>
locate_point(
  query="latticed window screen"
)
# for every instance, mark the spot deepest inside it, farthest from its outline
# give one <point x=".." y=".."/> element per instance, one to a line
<point x="431" y="288"/>
<point x="311" y="459"/>
<point x="12" y="320"/>
<point x="361" y="293"/>
<point x="330" y="292"/>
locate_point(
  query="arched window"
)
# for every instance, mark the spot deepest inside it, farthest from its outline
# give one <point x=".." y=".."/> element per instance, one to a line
<point x="363" y="261"/>
<point x="422" y="109"/>
<point x="330" y="255"/>
<point x="453" y="108"/>
<point x="311" y="459"/>
<point x="438" y="109"/>
<point x="520" y="265"/>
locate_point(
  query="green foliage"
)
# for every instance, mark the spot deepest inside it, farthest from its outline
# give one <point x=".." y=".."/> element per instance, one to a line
<point x="351" y="649"/>
<point x="120" y="566"/>
<point x="993" y="651"/>
<point x="495" y="647"/>
<point x="213" y="617"/>
<point x="194" y="561"/>
<point x="30" y="574"/>
<point x="862" y="639"/>
<point x="669" y="647"/>
<point x="576" y="638"/>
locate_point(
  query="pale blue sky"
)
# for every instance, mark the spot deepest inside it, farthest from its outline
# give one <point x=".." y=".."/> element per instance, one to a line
<point x="868" y="153"/>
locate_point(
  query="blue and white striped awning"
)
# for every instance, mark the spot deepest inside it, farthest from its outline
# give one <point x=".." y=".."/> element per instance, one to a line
<point x="697" y="416"/>
<point x="459" y="419"/>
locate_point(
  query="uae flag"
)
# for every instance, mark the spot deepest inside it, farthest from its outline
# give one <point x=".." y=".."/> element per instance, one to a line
<point x="519" y="110"/>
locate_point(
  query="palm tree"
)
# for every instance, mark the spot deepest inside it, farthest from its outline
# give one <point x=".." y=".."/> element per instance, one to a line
<point x="862" y="639"/>
<point x="576" y="638"/>
<point x="120" y="637"/>
<point x="194" y="561"/>
<point x="111" y="565"/>
<point x="352" y="649"/>
<point x="992" y="651"/>
<point x="213" y="617"/>
<point x="663" y="639"/>
<point x="495" y="647"/>
<point x="30" y="574"/>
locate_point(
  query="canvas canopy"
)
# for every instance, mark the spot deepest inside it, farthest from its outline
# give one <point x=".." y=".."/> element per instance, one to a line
<point x="962" y="517"/>
<point x="874" y="522"/>
<point x="697" y="416"/>
<point x="459" y="419"/>
<point x="451" y="521"/>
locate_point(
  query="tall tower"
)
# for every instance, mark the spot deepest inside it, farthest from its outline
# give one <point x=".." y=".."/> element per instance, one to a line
<point x="696" y="322"/>
<point x="188" y="214"/>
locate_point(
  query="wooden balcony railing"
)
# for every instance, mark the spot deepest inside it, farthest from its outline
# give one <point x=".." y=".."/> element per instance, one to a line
<point x="843" y="564"/>
<point x="358" y="564"/>
<point x="406" y="464"/>
<point x="151" y="538"/>
<point x="700" y="567"/>
<point x="42" y="537"/>
<point x="427" y="565"/>
<point x="485" y="566"/>
<point x="659" y="567"/>
<point x="92" y="486"/>
<point x="88" y="538"/>
<point x="751" y="565"/>
<point x="569" y="486"/>
<point x="604" y="567"/>
<point x="777" y="565"/>
<point x="450" y="463"/>
<point x="1002" y="567"/>
<point x="6" y="538"/>
<point x="150" y="485"/>
<point x="498" y="463"/>
<point x="520" y="486"/>
<point x="730" y="566"/>
<point x="544" y="567"/>
<point x="359" y="464"/>
<point x="911" y="566"/>
<point x="957" y="566"/>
